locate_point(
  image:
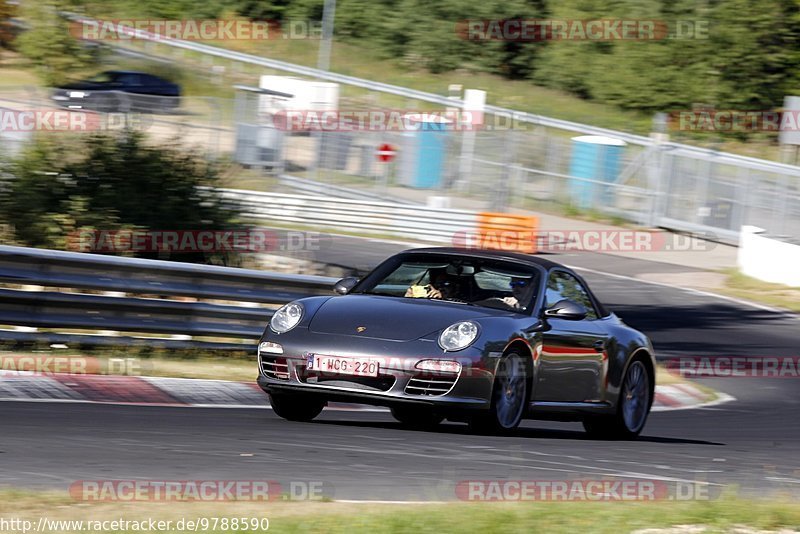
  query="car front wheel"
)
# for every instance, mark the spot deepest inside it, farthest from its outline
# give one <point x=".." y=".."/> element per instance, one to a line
<point x="632" y="408"/>
<point x="509" y="397"/>
<point x="295" y="407"/>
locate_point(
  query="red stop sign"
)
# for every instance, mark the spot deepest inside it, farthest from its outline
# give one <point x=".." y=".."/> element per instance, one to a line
<point x="386" y="153"/>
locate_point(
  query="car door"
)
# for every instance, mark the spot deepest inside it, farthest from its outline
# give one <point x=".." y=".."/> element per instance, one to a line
<point x="572" y="361"/>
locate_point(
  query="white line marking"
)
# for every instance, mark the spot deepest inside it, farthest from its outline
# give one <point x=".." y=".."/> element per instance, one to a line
<point x="741" y="302"/>
<point x="783" y="479"/>
<point x="727" y="398"/>
<point x="722" y="398"/>
<point x="168" y="405"/>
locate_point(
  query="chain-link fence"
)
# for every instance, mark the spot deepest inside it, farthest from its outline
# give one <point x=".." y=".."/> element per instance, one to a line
<point x="536" y="166"/>
<point x="193" y="122"/>
<point x="526" y="167"/>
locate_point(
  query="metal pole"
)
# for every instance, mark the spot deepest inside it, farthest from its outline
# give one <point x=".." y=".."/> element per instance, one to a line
<point x="323" y="64"/>
<point x="328" y="13"/>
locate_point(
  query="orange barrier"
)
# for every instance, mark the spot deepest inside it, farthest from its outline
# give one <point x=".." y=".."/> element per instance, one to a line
<point x="511" y="233"/>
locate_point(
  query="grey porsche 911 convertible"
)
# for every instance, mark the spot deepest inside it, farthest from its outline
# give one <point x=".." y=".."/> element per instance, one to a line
<point x="483" y="337"/>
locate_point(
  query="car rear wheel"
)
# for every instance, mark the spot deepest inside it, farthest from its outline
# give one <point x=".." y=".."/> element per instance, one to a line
<point x="509" y="397"/>
<point x="416" y="417"/>
<point x="632" y="408"/>
<point x="295" y="407"/>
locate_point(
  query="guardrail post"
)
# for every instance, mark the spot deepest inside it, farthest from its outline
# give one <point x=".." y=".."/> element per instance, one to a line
<point x="657" y="177"/>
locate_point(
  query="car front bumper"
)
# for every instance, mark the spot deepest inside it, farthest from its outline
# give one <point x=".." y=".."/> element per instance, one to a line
<point x="398" y="381"/>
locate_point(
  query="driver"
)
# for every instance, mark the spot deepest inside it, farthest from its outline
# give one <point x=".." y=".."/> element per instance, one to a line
<point x="440" y="286"/>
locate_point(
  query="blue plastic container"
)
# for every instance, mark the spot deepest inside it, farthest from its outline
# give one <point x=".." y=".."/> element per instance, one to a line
<point x="598" y="158"/>
<point x="426" y="150"/>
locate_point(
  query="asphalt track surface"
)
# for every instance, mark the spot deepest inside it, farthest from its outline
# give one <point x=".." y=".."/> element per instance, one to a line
<point x="752" y="443"/>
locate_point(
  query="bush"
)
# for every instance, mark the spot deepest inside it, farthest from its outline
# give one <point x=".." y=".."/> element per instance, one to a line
<point x="6" y="30"/>
<point x="49" y="45"/>
<point x="60" y="186"/>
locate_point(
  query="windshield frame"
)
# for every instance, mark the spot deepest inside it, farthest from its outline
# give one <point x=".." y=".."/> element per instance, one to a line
<point x="377" y="275"/>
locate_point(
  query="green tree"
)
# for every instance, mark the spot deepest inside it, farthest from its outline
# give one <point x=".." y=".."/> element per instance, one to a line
<point x="421" y="32"/>
<point x="263" y="10"/>
<point x="49" y="44"/>
<point x="60" y="186"/>
<point x="6" y="30"/>
<point x="747" y="60"/>
<point x="756" y="52"/>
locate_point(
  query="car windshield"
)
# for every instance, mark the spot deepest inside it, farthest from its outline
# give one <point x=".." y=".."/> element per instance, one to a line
<point x="480" y="282"/>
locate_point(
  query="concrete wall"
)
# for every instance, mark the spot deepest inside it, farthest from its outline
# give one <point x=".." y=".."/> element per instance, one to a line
<point x="768" y="259"/>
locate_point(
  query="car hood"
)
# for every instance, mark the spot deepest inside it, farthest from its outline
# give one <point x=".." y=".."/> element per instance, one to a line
<point x="391" y="318"/>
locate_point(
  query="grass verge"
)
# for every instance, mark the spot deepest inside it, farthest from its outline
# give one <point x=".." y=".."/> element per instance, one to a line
<point x="718" y="516"/>
<point x="742" y="286"/>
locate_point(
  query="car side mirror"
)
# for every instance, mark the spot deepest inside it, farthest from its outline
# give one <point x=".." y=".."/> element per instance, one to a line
<point x="566" y="309"/>
<point x="344" y="285"/>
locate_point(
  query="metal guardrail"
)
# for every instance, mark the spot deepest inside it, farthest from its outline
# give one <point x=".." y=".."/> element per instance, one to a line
<point x="132" y="298"/>
<point x="438" y="225"/>
<point x="118" y="294"/>
<point x="311" y="187"/>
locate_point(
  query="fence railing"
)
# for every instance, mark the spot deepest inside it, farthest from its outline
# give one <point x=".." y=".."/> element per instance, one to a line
<point x="437" y="225"/>
<point x="672" y="185"/>
<point x="518" y="116"/>
<point x="659" y="183"/>
<point x="100" y="295"/>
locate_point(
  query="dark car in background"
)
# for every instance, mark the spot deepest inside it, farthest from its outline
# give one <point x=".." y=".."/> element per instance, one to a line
<point x="120" y="91"/>
<point x="487" y="338"/>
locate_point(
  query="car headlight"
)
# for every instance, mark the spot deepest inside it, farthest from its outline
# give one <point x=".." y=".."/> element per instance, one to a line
<point x="459" y="335"/>
<point x="286" y="317"/>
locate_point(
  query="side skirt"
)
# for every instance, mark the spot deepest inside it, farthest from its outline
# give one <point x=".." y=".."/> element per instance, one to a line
<point x="566" y="411"/>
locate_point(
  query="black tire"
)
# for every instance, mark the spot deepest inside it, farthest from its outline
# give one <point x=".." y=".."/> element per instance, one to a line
<point x="633" y="407"/>
<point x="416" y="417"/>
<point x="295" y="407"/>
<point x="510" y="397"/>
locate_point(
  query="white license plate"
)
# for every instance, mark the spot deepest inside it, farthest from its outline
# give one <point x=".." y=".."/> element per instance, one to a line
<point x="344" y="366"/>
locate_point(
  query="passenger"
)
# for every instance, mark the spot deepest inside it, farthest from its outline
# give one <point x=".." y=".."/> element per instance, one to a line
<point x="521" y="289"/>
